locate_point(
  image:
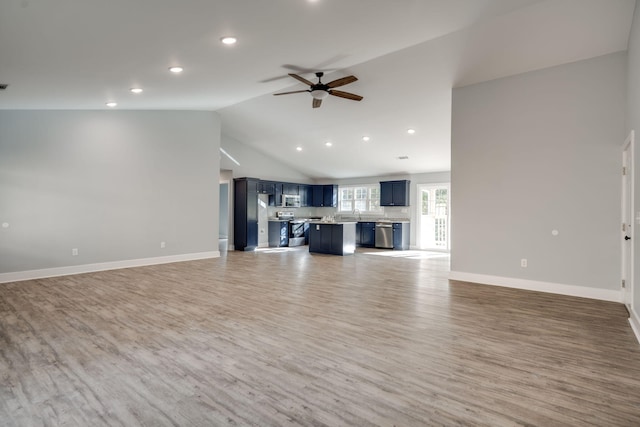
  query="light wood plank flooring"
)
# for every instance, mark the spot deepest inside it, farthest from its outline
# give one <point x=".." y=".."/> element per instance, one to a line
<point x="288" y="338"/>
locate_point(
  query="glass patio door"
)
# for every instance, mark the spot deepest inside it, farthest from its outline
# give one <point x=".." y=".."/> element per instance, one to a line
<point x="433" y="216"/>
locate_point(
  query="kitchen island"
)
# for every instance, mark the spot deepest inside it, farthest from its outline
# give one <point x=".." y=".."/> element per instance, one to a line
<point x="331" y="237"/>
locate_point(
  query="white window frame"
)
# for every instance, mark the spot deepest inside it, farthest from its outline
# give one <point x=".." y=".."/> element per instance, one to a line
<point x="372" y="203"/>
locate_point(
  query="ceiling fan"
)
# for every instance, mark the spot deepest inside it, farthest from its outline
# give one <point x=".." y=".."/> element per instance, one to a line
<point x="320" y="91"/>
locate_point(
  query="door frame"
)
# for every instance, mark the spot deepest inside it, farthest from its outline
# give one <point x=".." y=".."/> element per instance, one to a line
<point x="627" y="213"/>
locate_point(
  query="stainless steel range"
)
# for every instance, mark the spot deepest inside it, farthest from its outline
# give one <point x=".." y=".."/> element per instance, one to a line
<point x="297" y="228"/>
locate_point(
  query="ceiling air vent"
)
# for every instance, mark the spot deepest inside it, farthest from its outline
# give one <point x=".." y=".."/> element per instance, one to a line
<point x="3" y="86"/>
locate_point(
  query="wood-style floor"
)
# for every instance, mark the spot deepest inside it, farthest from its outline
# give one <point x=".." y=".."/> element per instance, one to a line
<point x="288" y="338"/>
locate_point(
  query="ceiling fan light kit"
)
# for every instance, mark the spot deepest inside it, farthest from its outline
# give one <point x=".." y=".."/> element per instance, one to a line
<point x="320" y="91"/>
<point x="319" y="94"/>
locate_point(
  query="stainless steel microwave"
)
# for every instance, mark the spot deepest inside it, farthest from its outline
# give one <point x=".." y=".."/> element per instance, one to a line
<point x="290" y="201"/>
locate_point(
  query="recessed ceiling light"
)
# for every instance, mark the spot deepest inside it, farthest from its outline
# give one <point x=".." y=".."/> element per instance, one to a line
<point x="176" y="69"/>
<point x="299" y="148"/>
<point x="135" y="90"/>
<point x="111" y="104"/>
<point x="411" y="131"/>
<point x="328" y="143"/>
<point x="229" y="40"/>
<point x="366" y="138"/>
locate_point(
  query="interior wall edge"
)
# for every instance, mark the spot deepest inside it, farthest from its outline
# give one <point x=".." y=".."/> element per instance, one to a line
<point x="534" y="285"/>
<point x="20" y="276"/>
<point x="634" y="321"/>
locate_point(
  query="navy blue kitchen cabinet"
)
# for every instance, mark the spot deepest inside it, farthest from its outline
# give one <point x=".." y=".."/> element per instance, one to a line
<point x="289" y="189"/>
<point x="334" y="239"/>
<point x="317" y="195"/>
<point x="314" y="238"/>
<point x="324" y="196"/>
<point x="245" y="214"/>
<point x="330" y="195"/>
<point x="401" y="236"/>
<point x="368" y="234"/>
<point x="266" y="187"/>
<point x="303" y="191"/>
<point x="278" y="233"/>
<point x="277" y="195"/>
<point x="394" y="193"/>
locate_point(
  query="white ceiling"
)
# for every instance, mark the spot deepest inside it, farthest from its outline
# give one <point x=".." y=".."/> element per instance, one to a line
<point x="407" y="55"/>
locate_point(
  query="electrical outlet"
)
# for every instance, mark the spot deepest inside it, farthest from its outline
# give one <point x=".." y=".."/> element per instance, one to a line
<point x="74" y="251"/>
<point x="162" y="245"/>
<point x="523" y="262"/>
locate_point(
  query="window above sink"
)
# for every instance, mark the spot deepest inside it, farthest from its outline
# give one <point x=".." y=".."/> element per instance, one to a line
<point x="362" y="198"/>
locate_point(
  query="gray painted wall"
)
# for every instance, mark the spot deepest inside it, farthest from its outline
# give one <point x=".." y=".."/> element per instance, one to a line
<point x="113" y="184"/>
<point x="633" y="122"/>
<point x="537" y="152"/>
<point x="256" y="165"/>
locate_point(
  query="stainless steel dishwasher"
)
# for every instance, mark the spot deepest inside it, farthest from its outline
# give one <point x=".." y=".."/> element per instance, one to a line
<point x="384" y="235"/>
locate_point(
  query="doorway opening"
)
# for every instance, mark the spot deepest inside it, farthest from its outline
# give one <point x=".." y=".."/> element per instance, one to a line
<point x="434" y="217"/>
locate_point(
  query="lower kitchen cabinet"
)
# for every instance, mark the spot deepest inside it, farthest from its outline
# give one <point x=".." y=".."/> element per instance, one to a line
<point x="401" y="236"/>
<point x="334" y="239"/>
<point x="368" y="234"/>
<point x="278" y="234"/>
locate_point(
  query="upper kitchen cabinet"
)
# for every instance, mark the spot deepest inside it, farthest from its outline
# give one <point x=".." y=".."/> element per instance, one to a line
<point x="303" y="191"/>
<point x="290" y="189"/>
<point x="266" y="187"/>
<point x="276" y="200"/>
<point x="394" y="193"/>
<point x="324" y="195"/>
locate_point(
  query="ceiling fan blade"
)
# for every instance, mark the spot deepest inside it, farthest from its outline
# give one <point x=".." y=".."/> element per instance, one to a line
<point x="346" y="95"/>
<point x="287" y="93"/>
<point x="301" y="79"/>
<point x="343" y="81"/>
<point x="316" y="102"/>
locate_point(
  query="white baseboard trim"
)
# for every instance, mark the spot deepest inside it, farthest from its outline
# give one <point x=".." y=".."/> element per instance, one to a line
<point x="634" y="320"/>
<point x="533" y="285"/>
<point x="19" y="276"/>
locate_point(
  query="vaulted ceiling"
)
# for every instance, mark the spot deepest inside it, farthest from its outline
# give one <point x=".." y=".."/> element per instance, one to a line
<point x="406" y="54"/>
